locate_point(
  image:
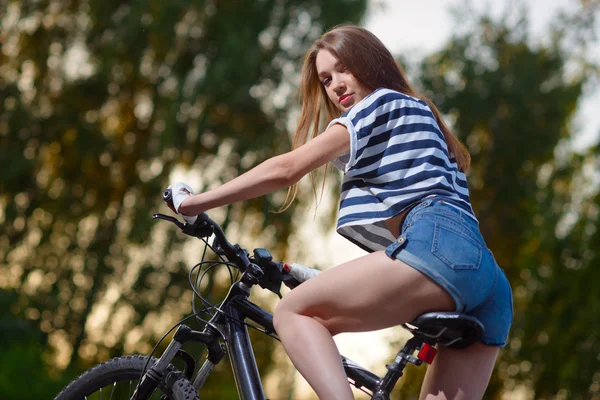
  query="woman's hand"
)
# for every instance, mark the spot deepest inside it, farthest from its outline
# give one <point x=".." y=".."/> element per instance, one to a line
<point x="181" y="192"/>
<point x="300" y="272"/>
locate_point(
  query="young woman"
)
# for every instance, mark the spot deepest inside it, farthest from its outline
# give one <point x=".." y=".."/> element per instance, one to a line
<point x="404" y="199"/>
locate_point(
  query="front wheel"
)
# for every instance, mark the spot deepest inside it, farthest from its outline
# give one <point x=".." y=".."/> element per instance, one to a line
<point x="117" y="379"/>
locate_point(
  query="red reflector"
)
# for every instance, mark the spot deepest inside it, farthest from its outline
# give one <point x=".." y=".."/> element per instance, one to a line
<point x="427" y="353"/>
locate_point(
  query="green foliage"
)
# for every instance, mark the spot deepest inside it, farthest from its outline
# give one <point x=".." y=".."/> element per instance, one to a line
<point x="512" y="104"/>
<point x="558" y="340"/>
<point x="22" y="356"/>
<point x="102" y="103"/>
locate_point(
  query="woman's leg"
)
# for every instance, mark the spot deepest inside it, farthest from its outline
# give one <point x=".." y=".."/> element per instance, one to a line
<point x="370" y="293"/>
<point x="459" y="373"/>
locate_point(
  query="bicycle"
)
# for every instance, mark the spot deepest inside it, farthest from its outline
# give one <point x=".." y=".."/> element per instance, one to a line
<point x="227" y="332"/>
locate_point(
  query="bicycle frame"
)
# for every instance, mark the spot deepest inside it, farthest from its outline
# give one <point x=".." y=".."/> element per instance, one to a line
<point x="228" y="325"/>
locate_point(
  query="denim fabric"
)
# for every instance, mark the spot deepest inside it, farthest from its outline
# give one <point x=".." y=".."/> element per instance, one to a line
<point x="444" y="243"/>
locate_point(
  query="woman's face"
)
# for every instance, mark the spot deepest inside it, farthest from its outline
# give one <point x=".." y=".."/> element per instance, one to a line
<point x="339" y="83"/>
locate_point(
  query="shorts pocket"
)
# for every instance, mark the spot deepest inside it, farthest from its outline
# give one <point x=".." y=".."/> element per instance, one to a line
<point x="455" y="248"/>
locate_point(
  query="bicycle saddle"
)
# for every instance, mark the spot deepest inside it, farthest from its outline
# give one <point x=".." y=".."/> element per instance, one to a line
<point x="449" y="329"/>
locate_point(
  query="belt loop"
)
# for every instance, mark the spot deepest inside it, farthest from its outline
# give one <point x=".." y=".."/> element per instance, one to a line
<point x="395" y="247"/>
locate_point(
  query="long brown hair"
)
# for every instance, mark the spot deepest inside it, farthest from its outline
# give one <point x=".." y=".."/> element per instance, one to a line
<point x="372" y="65"/>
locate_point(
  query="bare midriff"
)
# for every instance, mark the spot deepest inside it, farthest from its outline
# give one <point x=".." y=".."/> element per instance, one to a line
<point x="393" y="224"/>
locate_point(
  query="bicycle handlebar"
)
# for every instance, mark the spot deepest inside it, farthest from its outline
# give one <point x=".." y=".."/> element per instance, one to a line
<point x="271" y="274"/>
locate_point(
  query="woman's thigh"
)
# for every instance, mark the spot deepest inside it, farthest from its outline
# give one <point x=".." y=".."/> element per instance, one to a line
<point x="369" y="293"/>
<point x="459" y="373"/>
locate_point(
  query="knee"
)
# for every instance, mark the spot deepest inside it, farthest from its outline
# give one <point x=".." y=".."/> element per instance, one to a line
<point x="281" y="315"/>
<point x="286" y="312"/>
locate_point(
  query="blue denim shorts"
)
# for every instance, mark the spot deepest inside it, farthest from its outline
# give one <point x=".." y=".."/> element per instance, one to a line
<point x="444" y="243"/>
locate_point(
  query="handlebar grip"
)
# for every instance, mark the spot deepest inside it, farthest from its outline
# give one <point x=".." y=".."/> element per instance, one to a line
<point x="287" y="278"/>
<point x="168" y="197"/>
<point x="290" y="281"/>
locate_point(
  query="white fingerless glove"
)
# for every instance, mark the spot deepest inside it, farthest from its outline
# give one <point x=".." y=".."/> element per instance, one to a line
<point x="180" y="192"/>
<point x="302" y="273"/>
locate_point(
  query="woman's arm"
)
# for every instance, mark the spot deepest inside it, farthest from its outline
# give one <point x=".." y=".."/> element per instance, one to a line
<point x="275" y="173"/>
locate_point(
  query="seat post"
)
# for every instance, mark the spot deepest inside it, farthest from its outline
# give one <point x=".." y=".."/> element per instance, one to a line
<point x="395" y="369"/>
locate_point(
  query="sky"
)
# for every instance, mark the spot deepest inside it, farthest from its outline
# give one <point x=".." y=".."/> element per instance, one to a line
<point x="414" y="29"/>
<point x="427" y="24"/>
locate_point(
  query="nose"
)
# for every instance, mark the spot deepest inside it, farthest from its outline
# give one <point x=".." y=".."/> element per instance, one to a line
<point x="339" y="86"/>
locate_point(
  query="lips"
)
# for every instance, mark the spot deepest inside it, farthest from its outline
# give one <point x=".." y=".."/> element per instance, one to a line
<point x="345" y="99"/>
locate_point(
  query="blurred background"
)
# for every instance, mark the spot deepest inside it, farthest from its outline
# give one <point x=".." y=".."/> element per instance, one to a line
<point x="103" y="103"/>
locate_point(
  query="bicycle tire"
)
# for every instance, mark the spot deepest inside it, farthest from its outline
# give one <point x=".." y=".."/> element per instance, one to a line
<point x="128" y="368"/>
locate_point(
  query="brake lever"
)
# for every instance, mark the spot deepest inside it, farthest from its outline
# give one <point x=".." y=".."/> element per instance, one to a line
<point x="170" y="219"/>
<point x="275" y="275"/>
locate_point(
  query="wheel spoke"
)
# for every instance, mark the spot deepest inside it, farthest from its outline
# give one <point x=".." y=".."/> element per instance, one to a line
<point x="120" y="371"/>
<point x="113" y="390"/>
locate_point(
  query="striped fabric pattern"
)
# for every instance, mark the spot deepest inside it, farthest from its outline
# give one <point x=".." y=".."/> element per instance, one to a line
<point x="398" y="156"/>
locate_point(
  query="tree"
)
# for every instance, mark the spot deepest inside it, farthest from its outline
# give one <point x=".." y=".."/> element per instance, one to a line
<point x="512" y="104"/>
<point x="103" y="102"/>
<point x="22" y="355"/>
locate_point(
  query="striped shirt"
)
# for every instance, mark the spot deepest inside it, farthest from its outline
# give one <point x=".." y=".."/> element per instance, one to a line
<point x="398" y="156"/>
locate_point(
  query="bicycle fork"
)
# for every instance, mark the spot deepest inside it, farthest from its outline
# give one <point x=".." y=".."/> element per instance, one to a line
<point x="184" y="333"/>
